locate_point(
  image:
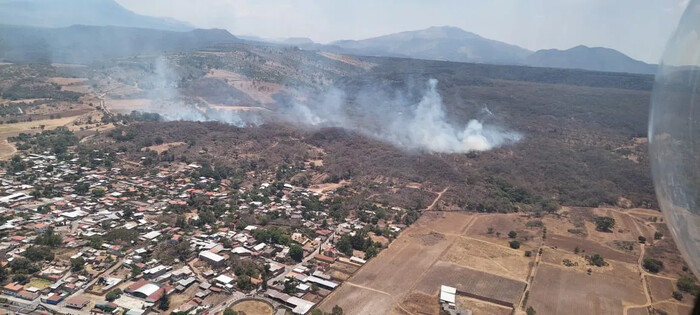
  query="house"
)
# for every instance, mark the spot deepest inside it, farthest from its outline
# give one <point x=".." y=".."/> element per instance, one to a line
<point x="77" y="302"/>
<point x="211" y="258"/>
<point x="12" y="289"/>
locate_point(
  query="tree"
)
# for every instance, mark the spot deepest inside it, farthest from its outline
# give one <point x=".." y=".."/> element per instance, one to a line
<point x="344" y="245"/>
<point x="230" y="311"/>
<point x="576" y="250"/>
<point x="82" y="188"/>
<point x="371" y="252"/>
<point x="512" y="234"/>
<point x="337" y="310"/>
<point x="514" y="244"/>
<point x="642" y="239"/>
<point x="113" y="295"/>
<point x="135" y="271"/>
<point x="530" y="311"/>
<point x="597" y="260"/>
<point x="48" y="238"/>
<point x="77" y="264"/>
<point x="296" y="252"/>
<point x="316" y="312"/>
<point x="290" y="287"/>
<point x="99" y="192"/>
<point x="244" y="283"/>
<point x="687" y="284"/>
<point x="653" y="265"/>
<point x="604" y="224"/>
<point x="658" y="235"/>
<point x="677" y="295"/>
<point x="164" y="303"/>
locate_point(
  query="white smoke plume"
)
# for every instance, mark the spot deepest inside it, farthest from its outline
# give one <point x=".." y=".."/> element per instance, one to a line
<point x="394" y="117"/>
<point x="422" y="126"/>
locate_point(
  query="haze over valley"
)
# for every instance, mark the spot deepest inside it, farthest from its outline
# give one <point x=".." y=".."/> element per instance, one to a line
<point x="153" y="167"/>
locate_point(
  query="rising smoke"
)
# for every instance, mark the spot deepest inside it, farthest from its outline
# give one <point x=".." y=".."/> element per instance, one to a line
<point x="393" y="117"/>
<point x="422" y="126"/>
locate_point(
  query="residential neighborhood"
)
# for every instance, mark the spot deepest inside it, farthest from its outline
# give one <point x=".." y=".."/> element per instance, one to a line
<point x="81" y="235"/>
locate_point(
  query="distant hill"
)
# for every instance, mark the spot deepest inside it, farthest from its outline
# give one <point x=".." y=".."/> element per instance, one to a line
<point x="82" y="44"/>
<point x="438" y="43"/>
<point x="589" y="58"/>
<point x="63" y="13"/>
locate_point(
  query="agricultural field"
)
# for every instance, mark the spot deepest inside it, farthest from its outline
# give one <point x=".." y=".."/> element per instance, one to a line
<point x="472" y="253"/>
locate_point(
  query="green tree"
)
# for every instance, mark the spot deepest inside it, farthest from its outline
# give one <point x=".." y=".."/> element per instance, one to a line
<point x="604" y="224"/>
<point x="296" y="252"/>
<point x="652" y="265"/>
<point x="658" y="235"/>
<point x="244" y="283"/>
<point x="677" y="295"/>
<point x="530" y="311"/>
<point x="642" y="239"/>
<point x="344" y="245"/>
<point x="371" y="252"/>
<point x="316" y="312"/>
<point x="164" y="303"/>
<point x="514" y="244"/>
<point x="230" y="311"/>
<point x="512" y="234"/>
<point x="337" y="310"/>
<point x="687" y="284"/>
<point x="48" y="238"/>
<point x="82" y="188"/>
<point x="135" y="271"/>
<point x="99" y="192"/>
<point x="113" y="295"/>
<point x="77" y="264"/>
<point x="597" y="260"/>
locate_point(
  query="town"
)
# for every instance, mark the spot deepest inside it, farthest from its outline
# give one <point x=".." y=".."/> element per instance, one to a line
<point x="83" y="235"/>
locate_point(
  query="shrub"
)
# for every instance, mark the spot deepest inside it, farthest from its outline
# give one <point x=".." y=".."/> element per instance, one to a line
<point x="604" y="224"/>
<point x="514" y="244"/>
<point x="597" y="260"/>
<point x="652" y="265"/>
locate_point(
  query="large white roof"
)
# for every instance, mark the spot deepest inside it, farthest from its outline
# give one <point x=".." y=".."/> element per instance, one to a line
<point x="211" y="256"/>
<point x="147" y="289"/>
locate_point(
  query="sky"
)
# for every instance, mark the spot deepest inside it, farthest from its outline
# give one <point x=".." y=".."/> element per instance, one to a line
<point x="638" y="28"/>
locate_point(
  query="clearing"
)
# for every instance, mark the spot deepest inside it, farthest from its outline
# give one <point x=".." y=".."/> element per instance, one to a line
<point x="252" y="307"/>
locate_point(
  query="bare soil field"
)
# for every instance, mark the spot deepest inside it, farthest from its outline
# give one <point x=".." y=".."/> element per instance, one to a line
<point x="661" y="288"/>
<point x="559" y="291"/>
<point x="638" y="311"/>
<point x="65" y="81"/>
<point x="456" y="249"/>
<point x="7" y="150"/>
<point x="488" y="257"/>
<point x="380" y="285"/>
<point x="127" y="105"/>
<point x="419" y="303"/>
<point x="160" y="148"/>
<point x="665" y="250"/>
<point x="479" y="307"/>
<point x="569" y="243"/>
<point x="672" y="308"/>
<point x="260" y="91"/>
<point x="253" y="308"/>
<point x="473" y="282"/>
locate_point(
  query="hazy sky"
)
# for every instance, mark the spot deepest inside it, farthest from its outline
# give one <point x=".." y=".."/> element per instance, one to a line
<point x="638" y="28"/>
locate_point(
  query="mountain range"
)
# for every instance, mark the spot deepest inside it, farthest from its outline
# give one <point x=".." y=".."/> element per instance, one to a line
<point x="63" y="13"/>
<point x="86" y="30"/>
<point x="84" y="44"/>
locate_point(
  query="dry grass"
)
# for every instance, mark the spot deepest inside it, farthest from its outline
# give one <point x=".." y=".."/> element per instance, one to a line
<point x="253" y="308"/>
<point x="483" y="256"/>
